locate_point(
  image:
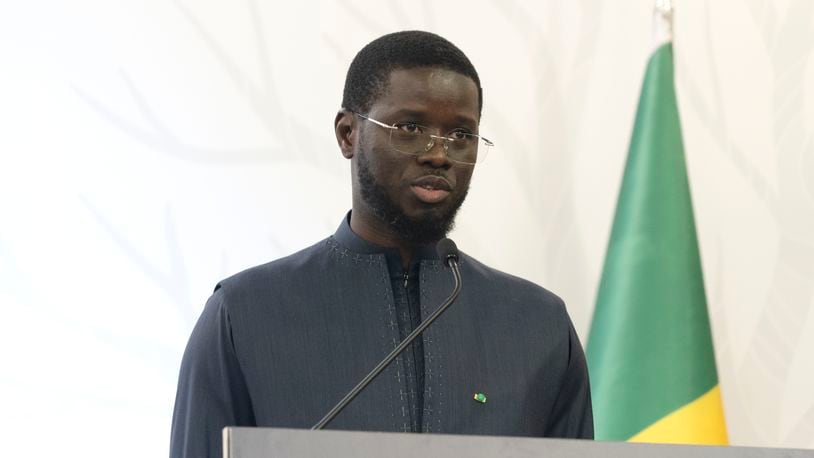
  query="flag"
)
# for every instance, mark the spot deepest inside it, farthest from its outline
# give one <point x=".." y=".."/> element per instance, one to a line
<point x="650" y="354"/>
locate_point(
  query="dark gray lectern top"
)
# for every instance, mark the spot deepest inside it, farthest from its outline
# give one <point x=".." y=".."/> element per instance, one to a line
<point x="298" y="443"/>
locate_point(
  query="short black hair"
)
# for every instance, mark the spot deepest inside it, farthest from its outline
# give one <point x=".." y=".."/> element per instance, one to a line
<point x="369" y="72"/>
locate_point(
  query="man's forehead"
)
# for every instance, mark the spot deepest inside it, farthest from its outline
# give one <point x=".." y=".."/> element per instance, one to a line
<point x="434" y="76"/>
<point x="414" y="88"/>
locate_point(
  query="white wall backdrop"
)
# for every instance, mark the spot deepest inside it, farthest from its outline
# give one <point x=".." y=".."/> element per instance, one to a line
<point x="151" y="148"/>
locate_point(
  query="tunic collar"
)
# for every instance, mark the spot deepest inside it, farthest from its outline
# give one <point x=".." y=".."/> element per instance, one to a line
<point x="345" y="236"/>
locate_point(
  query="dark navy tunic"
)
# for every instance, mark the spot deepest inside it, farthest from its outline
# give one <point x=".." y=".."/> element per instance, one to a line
<point x="279" y="344"/>
<point x="404" y="283"/>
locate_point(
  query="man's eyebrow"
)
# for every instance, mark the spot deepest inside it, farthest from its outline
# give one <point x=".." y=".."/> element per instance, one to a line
<point x="405" y="112"/>
<point x="466" y="121"/>
<point x="418" y="115"/>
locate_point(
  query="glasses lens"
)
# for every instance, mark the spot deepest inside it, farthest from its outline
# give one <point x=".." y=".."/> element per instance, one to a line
<point x="410" y="139"/>
<point x="464" y="148"/>
<point x="482" y="151"/>
<point x="460" y="147"/>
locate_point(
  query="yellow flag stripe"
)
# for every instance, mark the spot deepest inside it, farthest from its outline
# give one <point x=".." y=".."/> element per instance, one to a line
<point x="698" y="422"/>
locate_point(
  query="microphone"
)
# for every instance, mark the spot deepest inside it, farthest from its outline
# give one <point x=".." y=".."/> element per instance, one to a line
<point x="448" y="253"/>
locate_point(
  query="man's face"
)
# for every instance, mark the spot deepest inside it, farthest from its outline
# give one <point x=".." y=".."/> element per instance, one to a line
<point x="417" y="196"/>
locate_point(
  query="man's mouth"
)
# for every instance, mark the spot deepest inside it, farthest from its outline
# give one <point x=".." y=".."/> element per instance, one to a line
<point x="431" y="189"/>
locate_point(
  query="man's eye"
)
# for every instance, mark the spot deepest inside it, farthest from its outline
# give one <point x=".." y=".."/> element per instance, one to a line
<point x="410" y="128"/>
<point x="460" y="135"/>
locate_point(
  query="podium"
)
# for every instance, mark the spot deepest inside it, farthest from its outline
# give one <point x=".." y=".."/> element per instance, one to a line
<point x="240" y="442"/>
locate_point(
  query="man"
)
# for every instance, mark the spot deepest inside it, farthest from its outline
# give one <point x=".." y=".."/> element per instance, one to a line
<point x="279" y="344"/>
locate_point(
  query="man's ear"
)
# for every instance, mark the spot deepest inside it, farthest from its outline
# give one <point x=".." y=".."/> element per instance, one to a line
<point x="345" y="130"/>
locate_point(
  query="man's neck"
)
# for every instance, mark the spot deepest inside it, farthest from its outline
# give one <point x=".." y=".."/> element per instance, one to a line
<point x="369" y="229"/>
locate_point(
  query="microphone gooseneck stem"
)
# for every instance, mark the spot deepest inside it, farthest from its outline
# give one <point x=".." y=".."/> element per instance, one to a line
<point x="453" y="264"/>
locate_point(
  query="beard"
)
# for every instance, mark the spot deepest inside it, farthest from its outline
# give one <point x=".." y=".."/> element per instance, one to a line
<point x="431" y="227"/>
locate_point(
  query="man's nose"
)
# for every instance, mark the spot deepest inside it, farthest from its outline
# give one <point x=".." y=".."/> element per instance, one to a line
<point x="436" y="155"/>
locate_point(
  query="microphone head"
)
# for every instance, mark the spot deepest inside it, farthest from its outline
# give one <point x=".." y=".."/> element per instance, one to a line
<point x="447" y="250"/>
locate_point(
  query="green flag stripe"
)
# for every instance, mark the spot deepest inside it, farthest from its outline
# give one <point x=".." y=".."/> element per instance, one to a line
<point x="650" y="348"/>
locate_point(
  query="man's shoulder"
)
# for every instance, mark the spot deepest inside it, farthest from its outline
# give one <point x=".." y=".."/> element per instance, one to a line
<point x="261" y="276"/>
<point x="519" y="289"/>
